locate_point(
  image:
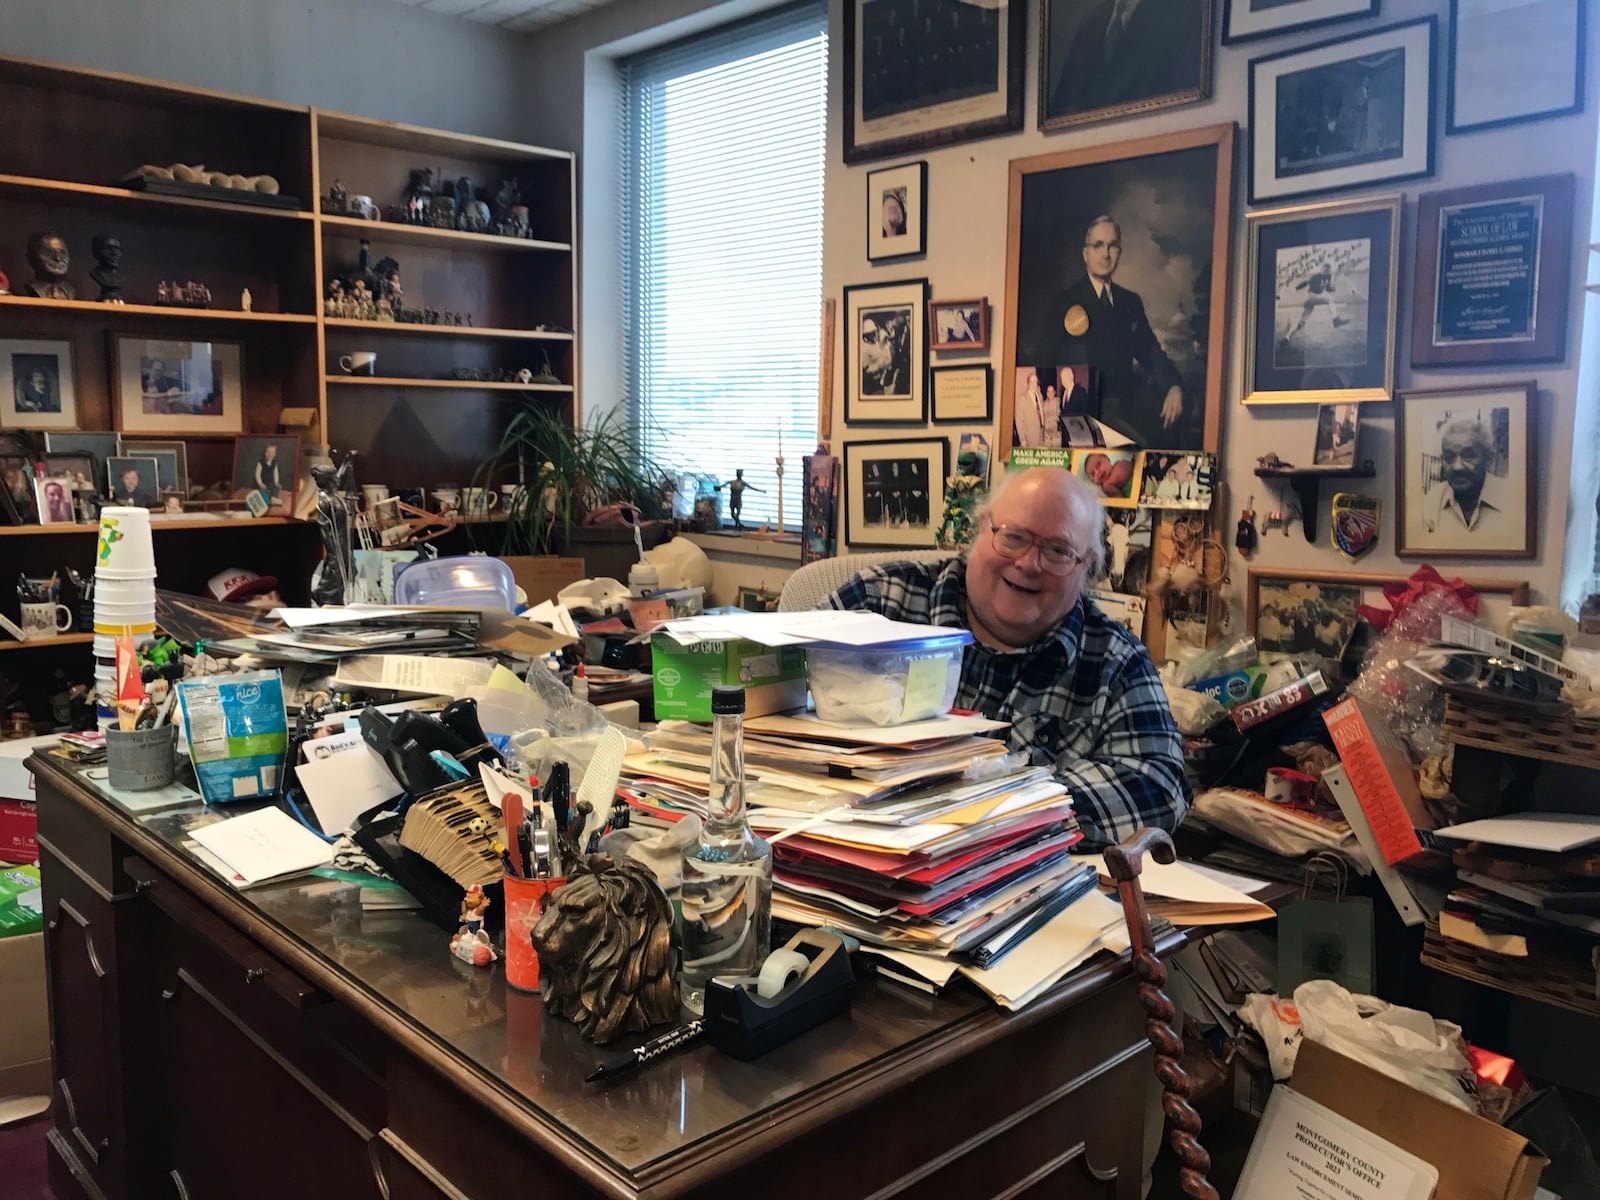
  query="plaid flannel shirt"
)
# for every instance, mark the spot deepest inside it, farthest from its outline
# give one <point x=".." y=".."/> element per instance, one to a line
<point x="1085" y="700"/>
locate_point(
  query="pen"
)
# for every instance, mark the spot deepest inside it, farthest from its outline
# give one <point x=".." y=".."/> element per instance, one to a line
<point x="629" y="1061"/>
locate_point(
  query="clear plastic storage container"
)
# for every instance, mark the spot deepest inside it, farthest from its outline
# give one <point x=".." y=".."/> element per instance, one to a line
<point x="888" y="684"/>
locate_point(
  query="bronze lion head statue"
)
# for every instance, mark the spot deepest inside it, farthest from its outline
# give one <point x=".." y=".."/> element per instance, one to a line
<point x="608" y="953"/>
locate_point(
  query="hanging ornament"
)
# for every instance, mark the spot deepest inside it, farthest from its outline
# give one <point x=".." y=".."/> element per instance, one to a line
<point x="1244" y="536"/>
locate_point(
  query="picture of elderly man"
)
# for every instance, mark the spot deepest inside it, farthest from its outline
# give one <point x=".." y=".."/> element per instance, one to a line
<point x="1466" y="498"/>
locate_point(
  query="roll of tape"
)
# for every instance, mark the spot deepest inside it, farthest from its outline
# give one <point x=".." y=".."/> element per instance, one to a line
<point x="781" y="968"/>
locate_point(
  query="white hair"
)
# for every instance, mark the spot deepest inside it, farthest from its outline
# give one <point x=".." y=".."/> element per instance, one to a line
<point x="1087" y="512"/>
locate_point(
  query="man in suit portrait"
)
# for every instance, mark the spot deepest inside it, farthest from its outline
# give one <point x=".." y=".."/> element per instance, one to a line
<point x="1126" y="51"/>
<point x="1103" y="325"/>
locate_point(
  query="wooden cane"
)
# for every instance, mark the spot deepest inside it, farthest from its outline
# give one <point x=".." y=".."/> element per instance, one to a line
<point x="1124" y="862"/>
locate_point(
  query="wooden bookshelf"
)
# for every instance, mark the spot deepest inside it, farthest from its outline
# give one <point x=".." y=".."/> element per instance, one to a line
<point x="167" y="312"/>
<point x="98" y="196"/>
<point x="156" y="526"/>
<point x="392" y="231"/>
<point x="60" y="639"/>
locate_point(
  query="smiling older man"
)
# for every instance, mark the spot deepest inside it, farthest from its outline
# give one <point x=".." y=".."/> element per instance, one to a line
<point x="1079" y="690"/>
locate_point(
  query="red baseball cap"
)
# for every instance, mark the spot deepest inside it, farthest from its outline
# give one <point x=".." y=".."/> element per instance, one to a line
<point x="236" y="583"/>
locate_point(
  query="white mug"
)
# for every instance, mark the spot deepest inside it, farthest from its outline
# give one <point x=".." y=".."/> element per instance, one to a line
<point x="480" y="501"/>
<point x="359" y="362"/>
<point x="362" y="206"/>
<point x="448" y="499"/>
<point x="511" y="496"/>
<point x="44" y="620"/>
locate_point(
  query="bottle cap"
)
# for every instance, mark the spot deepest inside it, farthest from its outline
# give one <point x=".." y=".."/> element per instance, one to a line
<point x="727" y="702"/>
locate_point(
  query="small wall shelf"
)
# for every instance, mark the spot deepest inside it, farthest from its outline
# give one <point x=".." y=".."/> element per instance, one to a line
<point x="1307" y="485"/>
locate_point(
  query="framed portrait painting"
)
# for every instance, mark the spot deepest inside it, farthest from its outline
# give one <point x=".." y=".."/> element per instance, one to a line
<point x="1516" y="62"/>
<point x="1116" y="279"/>
<point x="925" y="73"/>
<point x="1492" y="268"/>
<point x="1351" y="112"/>
<point x="897" y="212"/>
<point x="1321" y="302"/>
<point x="36" y="385"/>
<point x="894" y="492"/>
<point x="1464" y="472"/>
<point x="1100" y="59"/>
<point x="1246" y="20"/>
<point x="886" y="353"/>
<point x="177" y="388"/>
<point x="266" y="471"/>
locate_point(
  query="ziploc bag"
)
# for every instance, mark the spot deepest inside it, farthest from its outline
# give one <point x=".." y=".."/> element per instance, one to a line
<point x="238" y="733"/>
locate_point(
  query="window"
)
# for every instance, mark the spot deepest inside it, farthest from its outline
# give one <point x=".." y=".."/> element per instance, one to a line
<point x="722" y="270"/>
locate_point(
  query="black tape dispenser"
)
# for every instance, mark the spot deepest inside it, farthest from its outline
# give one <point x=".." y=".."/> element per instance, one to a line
<point x="800" y="986"/>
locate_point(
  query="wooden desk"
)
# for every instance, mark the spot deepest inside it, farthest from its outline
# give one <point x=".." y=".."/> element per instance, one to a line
<point x="209" y="1043"/>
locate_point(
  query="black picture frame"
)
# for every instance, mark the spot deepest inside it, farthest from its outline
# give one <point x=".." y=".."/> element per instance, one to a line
<point x="870" y="518"/>
<point x="962" y="415"/>
<point x="888" y="125"/>
<point x="910" y="180"/>
<point x="1165" y="62"/>
<point x="1503" y="41"/>
<point x="1369" y="141"/>
<point x="1237" y="29"/>
<point x="904" y="401"/>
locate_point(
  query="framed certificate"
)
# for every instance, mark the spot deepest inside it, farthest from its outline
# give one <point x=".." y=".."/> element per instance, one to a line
<point x="1492" y="272"/>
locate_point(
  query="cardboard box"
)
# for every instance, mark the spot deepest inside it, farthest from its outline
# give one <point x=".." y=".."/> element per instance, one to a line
<point x="773" y="677"/>
<point x="1476" y="1159"/>
<point x="25" y="1029"/>
<point x="543" y="575"/>
<point x="19" y="815"/>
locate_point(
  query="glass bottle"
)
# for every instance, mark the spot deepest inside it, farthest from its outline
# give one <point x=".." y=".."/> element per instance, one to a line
<point x="727" y="871"/>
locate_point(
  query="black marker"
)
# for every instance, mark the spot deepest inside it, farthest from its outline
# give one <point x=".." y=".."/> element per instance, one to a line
<point x="631" y="1060"/>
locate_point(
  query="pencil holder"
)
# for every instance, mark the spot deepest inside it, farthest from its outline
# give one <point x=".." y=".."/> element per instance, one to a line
<point x="524" y="901"/>
<point x="141" y="759"/>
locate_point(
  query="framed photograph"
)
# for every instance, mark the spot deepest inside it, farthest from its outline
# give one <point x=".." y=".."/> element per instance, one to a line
<point x="1321" y="302"/>
<point x="1511" y="63"/>
<point x="178" y="388"/>
<point x="894" y="492"/>
<point x="1176" y="480"/>
<point x="886" y="353"/>
<point x="1100" y="59"/>
<point x="963" y="394"/>
<point x="1247" y="20"/>
<point x="17" y="456"/>
<point x="897" y="212"/>
<point x="53" y="494"/>
<point x="1492" y="268"/>
<point x="1351" y="112"/>
<point x="1113" y="474"/>
<point x="36" y="385"/>
<point x="81" y="469"/>
<point x="172" y="460"/>
<point x="1338" y="432"/>
<point x="758" y="599"/>
<point x="98" y="445"/>
<point x="135" y="482"/>
<point x="1117" y="262"/>
<point x="959" y="324"/>
<point x="266" y="470"/>
<point x="1464" y="472"/>
<point x="930" y="73"/>
<point x="1129" y="532"/>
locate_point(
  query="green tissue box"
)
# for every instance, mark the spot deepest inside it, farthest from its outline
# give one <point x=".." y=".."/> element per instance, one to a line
<point x="773" y="677"/>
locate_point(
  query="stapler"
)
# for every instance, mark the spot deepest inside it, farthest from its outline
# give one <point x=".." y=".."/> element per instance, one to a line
<point x="799" y="987"/>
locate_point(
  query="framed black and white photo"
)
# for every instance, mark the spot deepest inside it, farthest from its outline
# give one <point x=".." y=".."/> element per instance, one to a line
<point x="1117" y="262"/>
<point x="886" y="353"/>
<point x="894" y="492"/>
<point x="1291" y="613"/>
<point x="1100" y="59"/>
<point x="135" y="481"/>
<point x="1492" y="269"/>
<point x="178" y="388"/>
<point x="1247" y="20"/>
<point x="1351" y="112"/>
<point x="1514" y="62"/>
<point x="54" y="496"/>
<point x="963" y="395"/>
<point x="959" y="324"/>
<point x="1464" y="471"/>
<point x="1320" y="302"/>
<point x="266" y="470"/>
<point x="1173" y="480"/>
<point x="172" y="462"/>
<point x="897" y="212"/>
<point x="98" y="444"/>
<point x="36" y="385"/>
<point x="1338" y="433"/>
<point x="80" y="469"/>
<point x="925" y="73"/>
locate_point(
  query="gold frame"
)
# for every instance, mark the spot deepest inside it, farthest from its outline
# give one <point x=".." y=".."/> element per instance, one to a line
<point x="1254" y="222"/>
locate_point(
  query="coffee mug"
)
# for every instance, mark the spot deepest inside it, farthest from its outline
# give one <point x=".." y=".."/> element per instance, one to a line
<point x="480" y="501"/>
<point x="43" y="620"/>
<point x="511" y="496"/>
<point x="359" y="362"/>
<point x="362" y="206"/>
<point x="448" y="499"/>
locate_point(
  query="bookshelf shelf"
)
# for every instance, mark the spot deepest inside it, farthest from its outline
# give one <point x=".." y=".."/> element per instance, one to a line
<point x="392" y="231"/>
<point x="90" y="193"/>
<point x="406" y="329"/>
<point x="468" y="385"/>
<point x="172" y="313"/>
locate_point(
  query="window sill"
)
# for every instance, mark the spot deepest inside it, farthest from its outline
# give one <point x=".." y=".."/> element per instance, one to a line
<point x="743" y="546"/>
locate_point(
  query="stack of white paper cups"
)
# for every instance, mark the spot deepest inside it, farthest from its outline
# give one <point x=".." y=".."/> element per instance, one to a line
<point x="124" y="592"/>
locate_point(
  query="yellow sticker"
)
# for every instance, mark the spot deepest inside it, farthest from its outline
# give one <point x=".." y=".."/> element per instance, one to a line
<point x="1076" y="321"/>
<point x="925" y="683"/>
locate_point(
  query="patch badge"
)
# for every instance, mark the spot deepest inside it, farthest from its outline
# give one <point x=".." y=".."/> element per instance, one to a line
<point x="1076" y="322"/>
<point x="1354" y="523"/>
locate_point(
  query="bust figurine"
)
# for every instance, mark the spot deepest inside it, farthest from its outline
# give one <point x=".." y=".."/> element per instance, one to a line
<point x="107" y="267"/>
<point x="49" y="258"/>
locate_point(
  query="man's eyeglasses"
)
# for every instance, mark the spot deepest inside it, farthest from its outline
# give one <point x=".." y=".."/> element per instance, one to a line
<point x="1057" y="558"/>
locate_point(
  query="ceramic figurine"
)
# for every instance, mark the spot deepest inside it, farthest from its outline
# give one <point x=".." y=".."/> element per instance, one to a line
<point x="334" y="300"/>
<point x="338" y="199"/>
<point x="49" y="257"/>
<point x="472" y="214"/>
<point x="546" y="374"/>
<point x="245" y="300"/>
<point x="442" y="213"/>
<point x="419" y="192"/>
<point x="107" y="271"/>
<point x="471" y="942"/>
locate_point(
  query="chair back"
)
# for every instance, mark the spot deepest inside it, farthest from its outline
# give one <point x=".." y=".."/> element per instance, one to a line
<point x="812" y="584"/>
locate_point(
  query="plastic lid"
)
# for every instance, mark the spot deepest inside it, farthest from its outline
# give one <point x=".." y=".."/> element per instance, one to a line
<point x="727" y="702"/>
<point x="938" y="638"/>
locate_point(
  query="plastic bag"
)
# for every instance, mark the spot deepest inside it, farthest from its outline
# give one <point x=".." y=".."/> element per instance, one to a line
<point x="1235" y="654"/>
<point x="557" y="711"/>
<point x="1193" y="712"/>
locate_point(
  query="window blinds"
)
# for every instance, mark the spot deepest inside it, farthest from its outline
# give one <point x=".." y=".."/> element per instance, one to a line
<point x="722" y="181"/>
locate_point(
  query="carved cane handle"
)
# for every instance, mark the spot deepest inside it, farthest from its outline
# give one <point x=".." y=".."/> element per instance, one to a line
<point x="1126" y="860"/>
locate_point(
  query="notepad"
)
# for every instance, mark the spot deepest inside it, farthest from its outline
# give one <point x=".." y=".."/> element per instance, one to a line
<point x="265" y="844"/>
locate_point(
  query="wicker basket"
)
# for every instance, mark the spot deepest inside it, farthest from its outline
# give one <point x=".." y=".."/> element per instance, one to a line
<point x="1564" y="982"/>
<point x="1555" y="739"/>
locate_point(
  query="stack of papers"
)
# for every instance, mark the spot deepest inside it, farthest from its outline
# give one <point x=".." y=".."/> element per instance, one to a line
<point x="259" y="846"/>
<point x="1188" y="894"/>
<point x="797" y="628"/>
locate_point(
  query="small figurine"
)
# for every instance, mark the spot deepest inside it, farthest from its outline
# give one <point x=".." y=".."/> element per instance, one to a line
<point x="546" y="374"/>
<point x="736" y="487"/>
<point x="472" y="214"/>
<point x="338" y="201"/>
<point x="418" y="194"/>
<point x="107" y="271"/>
<point x="471" y="942"/>
<point x="245" y="300"/>
<point x="1271" y="462"/>
<point x="1244" y="537"/>
<point x="162" y="294"/>
<point x="525" y="376"/>
<point x="49" y="257"/>
<point x="385" y="310"/>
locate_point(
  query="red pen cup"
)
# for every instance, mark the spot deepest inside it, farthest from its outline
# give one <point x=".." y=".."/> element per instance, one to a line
<point x="524" y="901"/>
